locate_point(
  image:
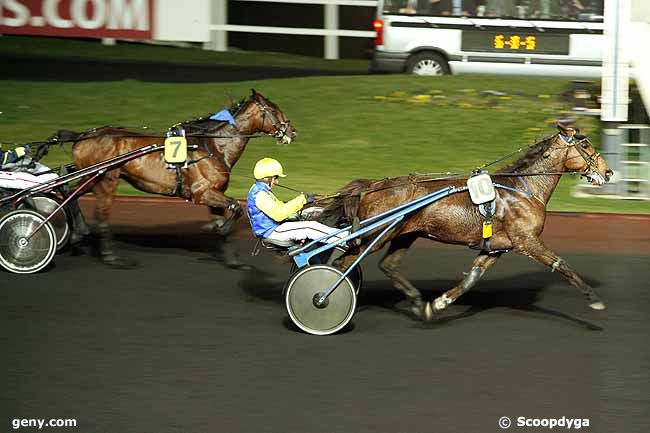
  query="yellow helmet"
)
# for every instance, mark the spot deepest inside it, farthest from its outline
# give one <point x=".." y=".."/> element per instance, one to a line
<point x="268" y="167"/>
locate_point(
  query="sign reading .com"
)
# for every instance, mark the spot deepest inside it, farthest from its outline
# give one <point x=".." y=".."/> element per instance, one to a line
<point x="128" y="19"/>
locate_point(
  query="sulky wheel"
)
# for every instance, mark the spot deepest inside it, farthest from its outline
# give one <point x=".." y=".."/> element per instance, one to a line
<point x="305" y="286"/>
<point x="45" y="205"/>
<point x="21" y="250"/>
<point x="327" y="258"/>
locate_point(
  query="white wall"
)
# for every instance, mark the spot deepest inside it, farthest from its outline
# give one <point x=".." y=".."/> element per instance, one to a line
<point x="641" y="10"/>
<point x="185" y="21"/>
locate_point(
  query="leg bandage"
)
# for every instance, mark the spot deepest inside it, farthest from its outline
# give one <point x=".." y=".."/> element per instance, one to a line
<point x="556" y="265"/>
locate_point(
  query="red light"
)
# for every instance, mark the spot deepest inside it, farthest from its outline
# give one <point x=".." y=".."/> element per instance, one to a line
<point x="378" y="25"/>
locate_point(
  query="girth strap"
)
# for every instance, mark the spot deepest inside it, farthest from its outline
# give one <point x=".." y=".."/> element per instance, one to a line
<point x="178" y="188"/>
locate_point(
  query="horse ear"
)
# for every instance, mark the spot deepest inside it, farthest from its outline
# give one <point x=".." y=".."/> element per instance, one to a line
<point x="253" y="93"/>
<point x="231" y="100"/>
<point x="565" y="130"/>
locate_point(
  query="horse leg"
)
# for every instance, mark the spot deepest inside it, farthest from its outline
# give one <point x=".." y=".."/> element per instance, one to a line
<point x="536" y="250"/>
<point x="481" y="264"/>
<point x="224" y="251"/>
<point x="232" y="212"/>
<point x="389" y="265"/>
<point x="80" y="229"/>
<point x="104" y="190"/>
<point x="218" y="219"/>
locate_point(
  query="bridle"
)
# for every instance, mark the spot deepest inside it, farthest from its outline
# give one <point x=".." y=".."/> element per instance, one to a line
<point x="280" y="127"/>
<point x="576" y="141"/>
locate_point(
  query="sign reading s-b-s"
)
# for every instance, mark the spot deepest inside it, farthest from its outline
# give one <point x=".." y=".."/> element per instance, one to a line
<point x="129" y="19"/>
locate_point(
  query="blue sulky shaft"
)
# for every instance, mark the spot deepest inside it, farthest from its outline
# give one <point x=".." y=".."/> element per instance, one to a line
<point x="392" y="225"/>
<point x="402" y="209"/>
<point x="391" y="217"/>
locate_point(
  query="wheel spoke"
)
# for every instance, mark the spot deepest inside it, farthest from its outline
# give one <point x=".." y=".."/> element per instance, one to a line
<point x="23" y="249"/>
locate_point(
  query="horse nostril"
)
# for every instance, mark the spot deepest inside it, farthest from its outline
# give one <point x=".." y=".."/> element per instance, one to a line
<point x="609" y="173"/>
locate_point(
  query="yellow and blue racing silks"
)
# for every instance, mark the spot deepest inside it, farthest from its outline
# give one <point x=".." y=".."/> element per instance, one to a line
<point x="10" y="156"/>
<point x="266" y="211"/>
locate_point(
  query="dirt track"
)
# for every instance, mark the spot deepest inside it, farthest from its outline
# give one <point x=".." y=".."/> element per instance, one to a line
<point x="183" y="345"/>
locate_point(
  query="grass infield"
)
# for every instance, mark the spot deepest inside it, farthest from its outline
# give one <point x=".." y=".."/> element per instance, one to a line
<point x="348" y="126"/>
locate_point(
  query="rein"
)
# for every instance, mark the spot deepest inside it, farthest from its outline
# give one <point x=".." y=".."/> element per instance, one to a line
<point x="591" y="161"/>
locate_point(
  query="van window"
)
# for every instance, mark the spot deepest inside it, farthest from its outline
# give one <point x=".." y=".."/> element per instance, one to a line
<point x="572" y="10"/>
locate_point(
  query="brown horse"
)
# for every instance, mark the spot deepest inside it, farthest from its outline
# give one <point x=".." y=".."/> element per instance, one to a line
<point x="204" y="181"/>
<point x="518" y="219"/>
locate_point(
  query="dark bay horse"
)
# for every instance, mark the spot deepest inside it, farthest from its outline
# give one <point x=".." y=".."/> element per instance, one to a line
<point x="203" y="182"/>
<point x="517" y="223"/>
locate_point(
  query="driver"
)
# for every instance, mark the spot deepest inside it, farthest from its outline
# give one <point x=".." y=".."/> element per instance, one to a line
<point x="16" y="171"/>
<point x="267" y="213"/>
<point x="26" y="173"/>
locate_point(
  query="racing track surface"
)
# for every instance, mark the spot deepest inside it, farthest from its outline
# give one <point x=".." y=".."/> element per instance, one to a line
<point x="182" y="344"/>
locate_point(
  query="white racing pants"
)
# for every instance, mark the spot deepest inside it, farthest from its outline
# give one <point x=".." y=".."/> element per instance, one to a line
<point x="301" y="230"/>
<point x="24" y="179"/>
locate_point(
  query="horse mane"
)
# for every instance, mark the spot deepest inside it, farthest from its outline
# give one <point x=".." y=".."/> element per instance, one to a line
<point x="205" y="124"/>
<point x="526" y="160"/>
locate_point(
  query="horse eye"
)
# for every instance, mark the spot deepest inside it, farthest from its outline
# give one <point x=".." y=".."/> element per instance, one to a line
<point x="585" y="145"/>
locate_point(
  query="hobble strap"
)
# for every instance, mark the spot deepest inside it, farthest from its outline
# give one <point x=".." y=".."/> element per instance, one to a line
<point x="487" y="210"/>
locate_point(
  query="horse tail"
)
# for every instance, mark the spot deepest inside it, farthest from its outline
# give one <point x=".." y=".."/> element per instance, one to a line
<point x="59" y="137"/>
<point x="344" y="207"/>
<point x="65" y="135"/>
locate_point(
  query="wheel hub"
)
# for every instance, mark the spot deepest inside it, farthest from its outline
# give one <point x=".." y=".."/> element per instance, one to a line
<point x="23" y="242"/>
<point x="317" y="301"/>
<point x="306" y="306"/>
<point x="428" y="67"/>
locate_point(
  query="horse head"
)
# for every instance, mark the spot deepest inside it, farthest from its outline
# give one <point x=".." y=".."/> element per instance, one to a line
<point x="271" y="120"/>
<point x="582" y="157"/>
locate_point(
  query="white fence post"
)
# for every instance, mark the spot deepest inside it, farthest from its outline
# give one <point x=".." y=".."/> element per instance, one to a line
<point x="219" y="17"/>
<point x="331" y="33"/>
<point x="331" y="23"/>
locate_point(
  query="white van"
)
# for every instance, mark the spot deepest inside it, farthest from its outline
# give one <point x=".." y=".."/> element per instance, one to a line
<point x="529" y="37"/>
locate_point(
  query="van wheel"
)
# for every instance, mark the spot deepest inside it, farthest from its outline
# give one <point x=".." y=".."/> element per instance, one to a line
<point x="427" y="64"/>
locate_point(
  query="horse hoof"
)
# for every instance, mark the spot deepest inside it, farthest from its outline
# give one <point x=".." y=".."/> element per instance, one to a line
<point x="213" y="225"/>
<point x="117" y="262"/>
<point x="80" y="249"/>
<point x="239" y="266"/>
<point x="428" y="312"/>
<point x="417" y="310"/>
<point x="598" y="305"/>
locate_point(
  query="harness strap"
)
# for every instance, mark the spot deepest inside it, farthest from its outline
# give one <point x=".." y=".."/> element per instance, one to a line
<point x="257" y="247"/>
<point x="509" y="188"/>
<point x="485" y="211"/>
<point x="178" y="188"/>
